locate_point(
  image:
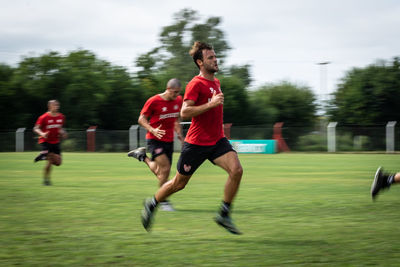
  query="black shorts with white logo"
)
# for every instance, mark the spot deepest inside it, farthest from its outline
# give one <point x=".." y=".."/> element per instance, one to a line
<point x="192" y="156"/>
<point x="51" y="148"/>
<point x="157" y="148"/>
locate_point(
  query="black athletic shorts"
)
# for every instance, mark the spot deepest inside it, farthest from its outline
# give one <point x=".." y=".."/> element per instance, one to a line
<point x="156" y="148"/>
<point x="192" y="156"/>
<point x="51" y="148"/>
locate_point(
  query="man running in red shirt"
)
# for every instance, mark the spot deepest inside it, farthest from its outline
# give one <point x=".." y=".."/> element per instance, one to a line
<point x="203" y="102"/>
<point x="163" y="110"/>
<point x="49" y="128"/>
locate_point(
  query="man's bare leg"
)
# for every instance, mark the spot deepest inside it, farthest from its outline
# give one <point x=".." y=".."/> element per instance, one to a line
<point x="46" y="173"/>
<point x="172" y="186"/>
<point x="52" y="159"/>
<point x="161" y="167"/>
<point x="231" y="164"/>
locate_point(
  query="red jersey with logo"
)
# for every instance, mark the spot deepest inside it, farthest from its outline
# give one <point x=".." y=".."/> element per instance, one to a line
<point x="162" y="112"/>
<point x="207" y="128"/>
<point x="52" y="125"/>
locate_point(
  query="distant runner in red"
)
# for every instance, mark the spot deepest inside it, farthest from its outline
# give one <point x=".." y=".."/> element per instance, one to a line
<point x="160" y="117"/>
<point x="203" y="102"/>
<point x="50" y="129"/>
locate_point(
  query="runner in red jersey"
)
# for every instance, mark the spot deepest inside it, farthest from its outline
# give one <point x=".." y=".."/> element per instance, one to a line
<point x="160" y="117"/>
<point x="49" y="127"/>
<point x="203" y="102"/>
<point x="163" y="114"/>
<point x="206" y="129"/>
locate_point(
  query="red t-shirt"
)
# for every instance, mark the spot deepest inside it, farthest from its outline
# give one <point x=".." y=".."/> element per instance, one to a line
<point x="164" y="112"/>
<point x="51" y="124"/>
<point x="207" y="128"/>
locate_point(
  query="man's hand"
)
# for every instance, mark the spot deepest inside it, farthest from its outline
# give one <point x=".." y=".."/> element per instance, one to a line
<point x="44" y="134"/>
<point x="157" y="132"/>
<point x="217" y="99"/>
<point x="64" y="134"/>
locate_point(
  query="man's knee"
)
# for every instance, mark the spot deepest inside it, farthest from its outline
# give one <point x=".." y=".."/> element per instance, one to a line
<point x="180" y="183"/>
<point x="56" y="160"/>
<point x="237" y="172"/>
<point x="163" y="172"/>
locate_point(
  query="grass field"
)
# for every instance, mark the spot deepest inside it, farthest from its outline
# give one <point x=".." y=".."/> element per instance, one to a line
<point x="294" y="210"/>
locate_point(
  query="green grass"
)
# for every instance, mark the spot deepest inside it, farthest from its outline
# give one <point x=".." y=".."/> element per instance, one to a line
<point x="294" y="210"/>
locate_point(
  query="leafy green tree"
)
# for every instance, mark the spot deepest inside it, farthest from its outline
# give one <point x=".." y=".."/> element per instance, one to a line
<point x="288" y="103"/>
<point x="91" y="91"/>
<point x="369" y="95"/>
<point x="7" y="98"/>
<point x="171" y="58"/>
<point x="124" y="101"/>
<point x="98" y="93"/>
<point x="242" y="72"/>
<point x="236" y="103"/>
<point x="34" y="81"/>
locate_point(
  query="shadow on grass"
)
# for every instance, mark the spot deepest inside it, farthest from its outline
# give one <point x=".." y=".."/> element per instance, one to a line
<point x="211" y="211"/>
<point x="272" y="241"/>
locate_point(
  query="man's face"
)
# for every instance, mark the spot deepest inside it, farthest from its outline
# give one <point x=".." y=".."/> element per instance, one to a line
<point x="210" y="62"/>
<point x="173" y="93"/>
<point x="54" y="106"/>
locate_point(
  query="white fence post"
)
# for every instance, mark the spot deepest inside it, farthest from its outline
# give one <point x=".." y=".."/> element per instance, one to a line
<point x="19" y="140"/>
<point x="331" y="131"/>
<point x="390" y="136"/>
<point x="142" y="136"/>
<point x="133" y="137"/>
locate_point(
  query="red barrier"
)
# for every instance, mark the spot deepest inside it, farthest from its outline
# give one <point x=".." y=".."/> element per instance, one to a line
<point x="282" y="146"/>
<point x="227" y="130"/>
<point x="91" y="138"/>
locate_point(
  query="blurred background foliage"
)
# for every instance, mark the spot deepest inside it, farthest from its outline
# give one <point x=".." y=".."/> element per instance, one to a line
<point x="93" y="91"/>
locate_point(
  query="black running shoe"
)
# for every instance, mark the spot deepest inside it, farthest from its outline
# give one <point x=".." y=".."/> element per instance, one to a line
<point x="147" y="213"/>
<point x="138" y="153"/>
<point x="226" y="222"/>
<point x="40" y="157"/>
<point x="380" y="182"/>
<point x="46" y="182"/>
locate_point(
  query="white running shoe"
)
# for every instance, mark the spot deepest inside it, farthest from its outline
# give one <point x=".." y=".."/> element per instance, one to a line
<point x="166" y="206"/>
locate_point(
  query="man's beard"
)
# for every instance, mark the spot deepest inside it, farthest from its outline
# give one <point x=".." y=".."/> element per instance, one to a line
<point x="212" y="69"/>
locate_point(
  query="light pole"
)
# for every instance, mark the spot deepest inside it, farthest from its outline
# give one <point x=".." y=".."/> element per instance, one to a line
<point x="323" y="87"/>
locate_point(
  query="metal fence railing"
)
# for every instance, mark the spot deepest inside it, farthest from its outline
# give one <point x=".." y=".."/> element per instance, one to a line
<point x="348" y="138"/>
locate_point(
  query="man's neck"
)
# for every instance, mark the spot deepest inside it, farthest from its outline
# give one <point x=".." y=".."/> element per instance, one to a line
<point x="207" y="75"/>
<point x="53" y="113"/>
<point x="164" y="96"/>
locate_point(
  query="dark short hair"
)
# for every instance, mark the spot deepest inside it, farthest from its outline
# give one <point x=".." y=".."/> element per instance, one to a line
<point x="174" y="83"/>
<point x="197" y="51"/>
<point x="52" y="101"/>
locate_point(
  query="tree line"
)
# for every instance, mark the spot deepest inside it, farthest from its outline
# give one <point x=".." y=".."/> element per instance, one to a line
<point x="93" y="91"/>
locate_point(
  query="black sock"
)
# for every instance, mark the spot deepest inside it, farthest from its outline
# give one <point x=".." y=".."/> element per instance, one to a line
<point x="225" y="209"/>
<point x="42" y="155"/>
<point x="390" y="179"/>
<point x="153" y="203"/>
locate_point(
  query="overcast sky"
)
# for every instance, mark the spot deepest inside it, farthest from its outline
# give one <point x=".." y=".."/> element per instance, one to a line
<point x="281" y="40"/>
